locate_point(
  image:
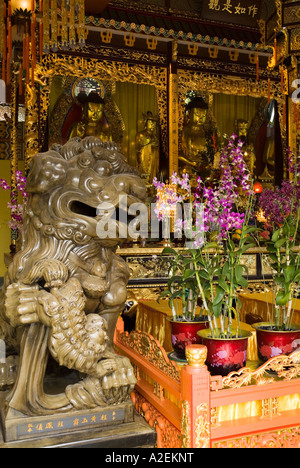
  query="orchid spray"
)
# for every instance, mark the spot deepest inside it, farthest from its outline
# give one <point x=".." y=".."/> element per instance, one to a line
<point x="218" y="264"/>
<point x="171" y="198"/>
<point x="281" y="208"/>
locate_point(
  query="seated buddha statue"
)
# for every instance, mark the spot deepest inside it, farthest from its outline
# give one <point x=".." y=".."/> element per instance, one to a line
<point x="147" y="148"/>
<point x="242" y="127"/>
<point x="93" y="122"/>
<point x="198" y="152"/>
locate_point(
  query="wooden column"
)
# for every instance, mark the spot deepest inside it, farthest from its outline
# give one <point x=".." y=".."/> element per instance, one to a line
<point x="293" y="113"/>
<point x="173" y="109"/>
<point x="195" y="381"/>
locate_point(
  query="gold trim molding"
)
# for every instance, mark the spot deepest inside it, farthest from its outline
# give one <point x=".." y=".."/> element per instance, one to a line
<point x="214" y="83"/>
<point x="145" y="345"/>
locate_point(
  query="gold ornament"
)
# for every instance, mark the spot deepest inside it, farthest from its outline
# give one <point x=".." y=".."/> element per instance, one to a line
<point x="196" y="355"/>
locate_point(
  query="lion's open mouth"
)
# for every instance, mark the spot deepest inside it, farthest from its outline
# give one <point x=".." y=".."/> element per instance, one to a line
<point x="83" y="209"/>
<point x="118" y="214"/>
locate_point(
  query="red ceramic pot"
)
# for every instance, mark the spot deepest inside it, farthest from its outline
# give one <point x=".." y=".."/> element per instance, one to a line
<point x="184" y="333"/>
<point x="271" y="342"/>
<point x="225" y="355"/>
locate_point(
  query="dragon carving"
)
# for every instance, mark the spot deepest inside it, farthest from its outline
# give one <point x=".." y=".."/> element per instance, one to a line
<point x="66" y="287"/>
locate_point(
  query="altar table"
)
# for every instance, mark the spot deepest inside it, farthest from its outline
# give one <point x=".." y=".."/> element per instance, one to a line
<point x="152" y="318"/>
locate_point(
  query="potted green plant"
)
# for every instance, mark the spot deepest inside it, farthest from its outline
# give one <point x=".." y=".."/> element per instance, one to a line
<point x="213" y="265"/>
<point x="229" y="206"/>
<point x="187" y="318"/>
<point x="281" y="209"/>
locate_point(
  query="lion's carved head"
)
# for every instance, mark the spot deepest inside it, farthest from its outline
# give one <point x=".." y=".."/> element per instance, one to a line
<point x="67" y="184"/>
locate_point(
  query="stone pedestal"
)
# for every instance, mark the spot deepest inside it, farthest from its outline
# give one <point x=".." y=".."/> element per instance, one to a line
<point x="110" y="427"/>
<point x="17" y="426"/>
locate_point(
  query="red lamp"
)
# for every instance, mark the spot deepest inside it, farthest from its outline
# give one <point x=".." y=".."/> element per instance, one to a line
<point x="257" y="187"/>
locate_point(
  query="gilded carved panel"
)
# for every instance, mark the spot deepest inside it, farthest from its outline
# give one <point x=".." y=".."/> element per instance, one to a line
<point x="295" y="39"/>
<point x="38" y="98"/>
<point x="285" y="438"/>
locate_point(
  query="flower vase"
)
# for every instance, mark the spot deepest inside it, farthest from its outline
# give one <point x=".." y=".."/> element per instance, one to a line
<point x="184" y="333"/>
<point x="272" y="342"/>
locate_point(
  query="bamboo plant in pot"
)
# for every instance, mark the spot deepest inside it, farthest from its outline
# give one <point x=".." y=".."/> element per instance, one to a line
<point x="187" y="317"/>
<point x="281" y="209"/>
<point x="228" y="205"/>
<point x="221" y="276"/>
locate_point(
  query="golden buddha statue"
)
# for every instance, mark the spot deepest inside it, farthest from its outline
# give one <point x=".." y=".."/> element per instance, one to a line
<point x="147" y="148"/>
<point x="242" y="127"/>
<point x="93" y="122"/>
<point x="198" y="152"/>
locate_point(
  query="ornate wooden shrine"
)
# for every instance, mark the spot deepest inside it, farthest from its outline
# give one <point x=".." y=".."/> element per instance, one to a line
<point x="213" y="47"/>
<point x="152" y="58"/>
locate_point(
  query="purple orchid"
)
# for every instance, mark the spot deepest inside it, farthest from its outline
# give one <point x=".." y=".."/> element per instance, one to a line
<point x="16" y="209"/>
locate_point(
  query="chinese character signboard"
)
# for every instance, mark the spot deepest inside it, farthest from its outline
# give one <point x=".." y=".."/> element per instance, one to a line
<point x="239" y="12"/>
<point x="57" y="425"/>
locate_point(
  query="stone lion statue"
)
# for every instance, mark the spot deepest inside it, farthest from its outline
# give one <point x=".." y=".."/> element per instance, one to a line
<point x="66" y="287"/>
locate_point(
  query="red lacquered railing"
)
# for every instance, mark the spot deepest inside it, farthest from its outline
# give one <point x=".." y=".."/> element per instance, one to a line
<point x="189" y="408"/>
